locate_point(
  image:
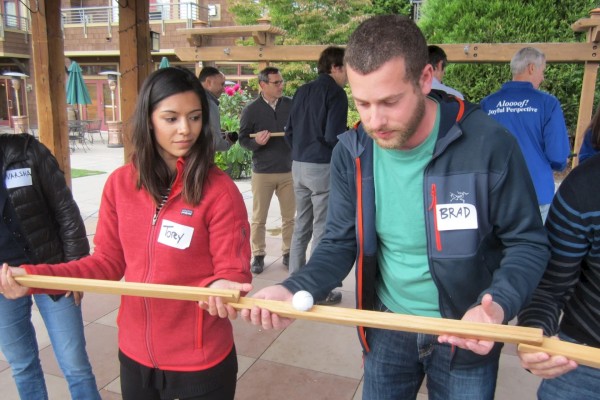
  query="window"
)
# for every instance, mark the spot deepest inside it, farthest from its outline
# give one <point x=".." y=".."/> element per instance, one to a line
<point x="214" y="12"/>
<point x="11" y="19"/>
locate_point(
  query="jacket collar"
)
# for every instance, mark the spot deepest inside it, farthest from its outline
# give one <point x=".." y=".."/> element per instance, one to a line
<point x="518" y="85"/>
<point x="178" y="183"/>
<point x="13" y="148"/>
<point x="327" y="78"/>
<point x="357" y="140"/>
<point x="212" y="97"/>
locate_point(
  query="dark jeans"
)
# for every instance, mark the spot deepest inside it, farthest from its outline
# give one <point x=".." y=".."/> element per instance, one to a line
<point x="398" y="362"/>
<point x="581" y="383"/>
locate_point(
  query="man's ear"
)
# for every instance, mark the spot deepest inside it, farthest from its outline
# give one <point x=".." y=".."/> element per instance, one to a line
<point x="426" y="79"/>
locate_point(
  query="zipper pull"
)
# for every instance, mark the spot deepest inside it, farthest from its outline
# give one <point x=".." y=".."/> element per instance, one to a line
<point x="433" y="206"/>
<point x="155" y="218"/>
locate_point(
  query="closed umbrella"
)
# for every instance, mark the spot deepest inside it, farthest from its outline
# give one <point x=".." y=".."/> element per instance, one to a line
<point x="77" y="92"/>
<point x="164" y="63"/>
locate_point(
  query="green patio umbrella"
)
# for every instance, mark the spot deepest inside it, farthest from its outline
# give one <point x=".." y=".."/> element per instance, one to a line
<point x="164" y="63"/>
<point x="77" y="92"/>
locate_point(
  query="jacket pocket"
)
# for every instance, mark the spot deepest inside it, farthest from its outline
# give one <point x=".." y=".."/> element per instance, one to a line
<point x="456" y="214"/>
<point x="199" y="327"/>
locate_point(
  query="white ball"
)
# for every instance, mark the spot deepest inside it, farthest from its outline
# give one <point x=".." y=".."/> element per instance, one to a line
<point x="302" y="300"/>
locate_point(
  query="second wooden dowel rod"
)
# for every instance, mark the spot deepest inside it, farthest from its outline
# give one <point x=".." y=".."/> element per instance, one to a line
<point x="273" y="134"/>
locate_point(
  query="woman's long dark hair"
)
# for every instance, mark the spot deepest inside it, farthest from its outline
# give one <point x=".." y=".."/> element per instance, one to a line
<point x="595" y="128"/>
<point x="153" y="173"/>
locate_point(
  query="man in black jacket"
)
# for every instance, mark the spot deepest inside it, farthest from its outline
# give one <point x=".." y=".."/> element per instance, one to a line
<point x="40" y="223"/>
<point x="319" y="113"/>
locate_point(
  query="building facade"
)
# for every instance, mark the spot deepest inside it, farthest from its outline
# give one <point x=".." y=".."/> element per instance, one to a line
<point x="91" y="37"/>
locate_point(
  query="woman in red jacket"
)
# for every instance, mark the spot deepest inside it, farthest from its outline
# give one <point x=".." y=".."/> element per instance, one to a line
<point x="168" y="217"/>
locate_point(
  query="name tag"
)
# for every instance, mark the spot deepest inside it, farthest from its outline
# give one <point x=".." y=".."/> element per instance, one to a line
<point x="16" y="178"/>
<point x="175" y="235"/>
<point x="458" y="216"/>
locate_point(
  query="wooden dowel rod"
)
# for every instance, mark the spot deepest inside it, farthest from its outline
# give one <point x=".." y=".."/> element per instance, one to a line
<point x="583" y="355"/>
<point x="273" y="134"/>
<point x="173" y="292"/>
<point x="529" y="339"/>
<point x="336" y="315"/>
<point x="401" y="322"/>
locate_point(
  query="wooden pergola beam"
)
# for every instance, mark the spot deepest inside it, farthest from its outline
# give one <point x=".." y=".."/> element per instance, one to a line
<point x="588" y="24"/>
<point x="235" y="31"/>
<point x="457" y="53"/>
<point x="48" y="63"/>
<point x="590" y="75"/>
<point x="135" y="60"/>
<point x="503" y="52"/>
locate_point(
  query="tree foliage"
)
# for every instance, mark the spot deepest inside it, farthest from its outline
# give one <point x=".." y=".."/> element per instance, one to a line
<point x="306" y="21"/>
<point x="311" y="22"/>
<point x="508" y="21"/>
<point x="379" y="7"/>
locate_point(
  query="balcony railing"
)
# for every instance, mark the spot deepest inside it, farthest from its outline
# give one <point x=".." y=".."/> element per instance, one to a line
<point x="84" y="16"/>
<point x="8" y="21"/>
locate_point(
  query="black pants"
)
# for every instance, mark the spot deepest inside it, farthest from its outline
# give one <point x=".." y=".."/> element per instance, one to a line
<point x="142" y="383"/>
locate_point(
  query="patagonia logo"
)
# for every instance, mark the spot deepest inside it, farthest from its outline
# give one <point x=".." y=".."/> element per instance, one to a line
<point x="187" y="212"/>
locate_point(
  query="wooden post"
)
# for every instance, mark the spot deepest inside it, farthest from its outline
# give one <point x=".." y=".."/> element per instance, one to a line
<point x="135" y="60"/>
<point x="590" y="75"/>
<point x="586" y="104"/>
<point x="48" y="60"/>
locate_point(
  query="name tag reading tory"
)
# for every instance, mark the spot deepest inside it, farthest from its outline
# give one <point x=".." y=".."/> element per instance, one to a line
<point x="16" y="178"/>
<point x="453" y="217"/>
<point x="175" y="235"/>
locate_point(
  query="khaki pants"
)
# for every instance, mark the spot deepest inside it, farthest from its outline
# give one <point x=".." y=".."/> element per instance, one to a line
<point x="263" y="186"/>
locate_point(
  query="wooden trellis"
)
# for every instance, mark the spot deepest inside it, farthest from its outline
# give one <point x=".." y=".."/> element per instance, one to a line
<point x="265" y="51"/>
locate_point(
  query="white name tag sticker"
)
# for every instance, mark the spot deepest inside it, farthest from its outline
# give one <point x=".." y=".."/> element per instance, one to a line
<point x="456" y="216"/>
<point x="16" y="178"/>
<point x="175" y="235"/>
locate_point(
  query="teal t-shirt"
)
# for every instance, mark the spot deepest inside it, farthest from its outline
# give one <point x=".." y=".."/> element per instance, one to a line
<point x="405" y="284"/>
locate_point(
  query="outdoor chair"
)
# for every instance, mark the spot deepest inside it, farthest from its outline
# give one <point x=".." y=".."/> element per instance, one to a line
<point x="77" y="135"/>
<point x="93" y="126"/>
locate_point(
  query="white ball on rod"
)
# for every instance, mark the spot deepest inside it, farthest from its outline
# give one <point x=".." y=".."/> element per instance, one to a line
<point x="302" y="300"/>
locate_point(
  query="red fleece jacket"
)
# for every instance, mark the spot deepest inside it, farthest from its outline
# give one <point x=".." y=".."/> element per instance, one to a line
<point x="191" y="246"/>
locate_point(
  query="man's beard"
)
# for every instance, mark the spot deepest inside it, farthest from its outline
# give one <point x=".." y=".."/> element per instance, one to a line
<point x="401" y="134"/>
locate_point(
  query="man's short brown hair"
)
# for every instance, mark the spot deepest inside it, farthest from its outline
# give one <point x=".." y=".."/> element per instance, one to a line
<point x="384" y="37"/>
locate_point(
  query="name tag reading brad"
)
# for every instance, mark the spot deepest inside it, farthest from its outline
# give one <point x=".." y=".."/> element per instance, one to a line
<point x="456" y="216"/>
<point x="175" y="235"/>
<point x="16" y="178"/>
